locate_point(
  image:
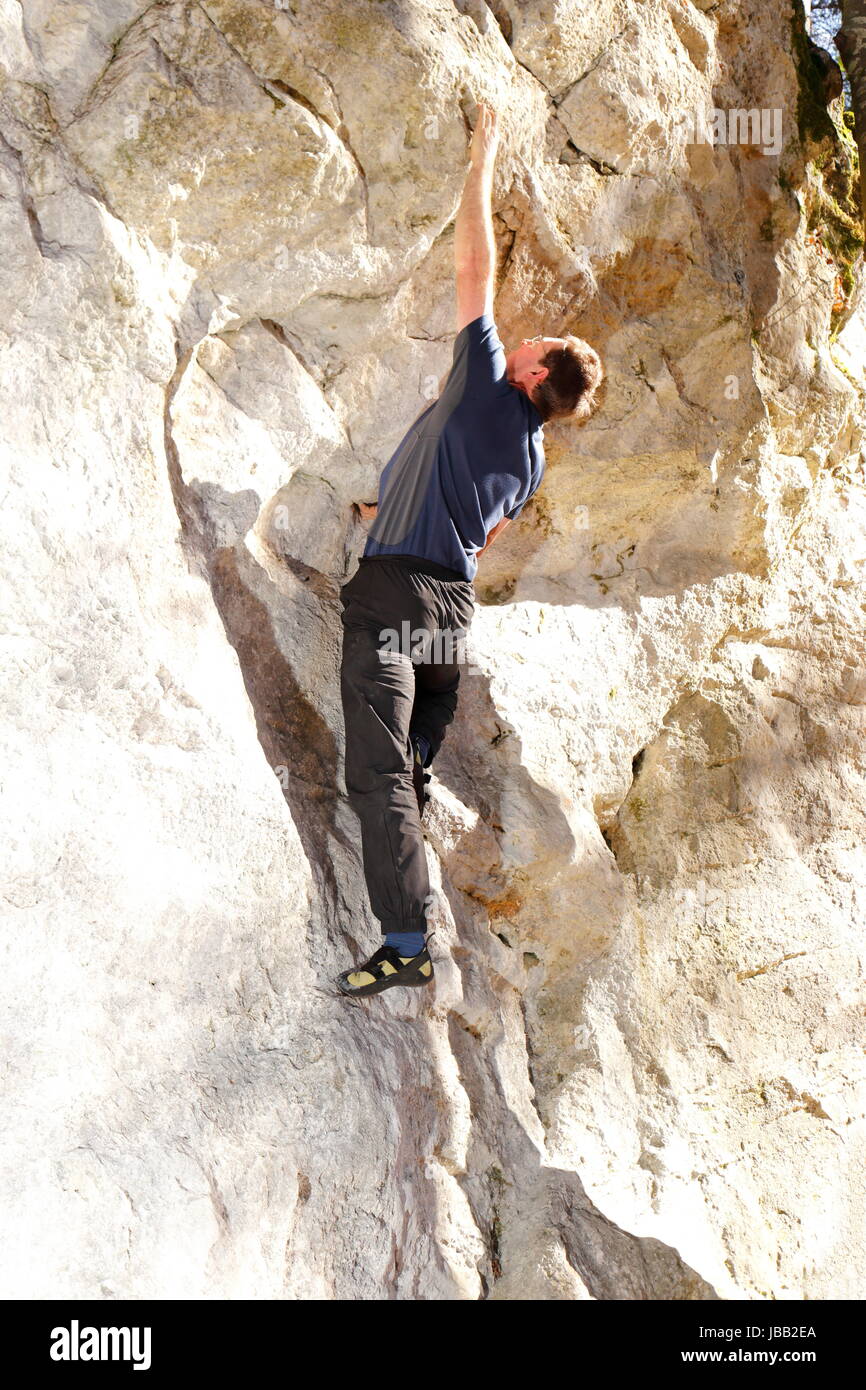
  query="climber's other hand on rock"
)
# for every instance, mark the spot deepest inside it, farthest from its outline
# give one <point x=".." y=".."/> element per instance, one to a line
<point x="367" y="510"/>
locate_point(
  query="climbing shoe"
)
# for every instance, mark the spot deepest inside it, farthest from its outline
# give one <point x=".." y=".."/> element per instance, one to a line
<point x="419" y="777"/>
<point x="384" y="970"/>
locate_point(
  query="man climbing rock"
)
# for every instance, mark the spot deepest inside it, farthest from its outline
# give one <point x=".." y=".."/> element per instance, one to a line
<point x="464" y="469"/>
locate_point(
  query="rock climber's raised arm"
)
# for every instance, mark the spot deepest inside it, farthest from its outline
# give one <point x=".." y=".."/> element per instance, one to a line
<point x="474" y="245"/>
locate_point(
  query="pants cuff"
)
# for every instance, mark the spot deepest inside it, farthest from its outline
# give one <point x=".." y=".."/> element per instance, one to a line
<point x="403" y="924"/>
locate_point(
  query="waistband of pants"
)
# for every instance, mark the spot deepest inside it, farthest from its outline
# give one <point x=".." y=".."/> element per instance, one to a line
<point x="417" y="562"/>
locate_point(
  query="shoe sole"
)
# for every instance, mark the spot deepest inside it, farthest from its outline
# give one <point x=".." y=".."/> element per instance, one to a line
<point x="379" y="985"/>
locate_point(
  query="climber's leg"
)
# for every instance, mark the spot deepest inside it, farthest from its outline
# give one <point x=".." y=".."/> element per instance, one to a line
<point x="435" y="703"/>
<point x="377" y="694"/>
<point x="437" y="679"/>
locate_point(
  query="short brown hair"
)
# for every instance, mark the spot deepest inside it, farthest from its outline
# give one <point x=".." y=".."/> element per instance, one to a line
<point x="574" y="374"/>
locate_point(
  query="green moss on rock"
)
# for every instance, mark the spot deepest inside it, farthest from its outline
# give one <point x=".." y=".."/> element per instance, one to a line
<point x="814" y="121"/>
<point x="833" y="201"/>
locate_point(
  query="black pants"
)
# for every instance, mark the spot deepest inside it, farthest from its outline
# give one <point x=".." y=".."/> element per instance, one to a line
<point x="386" y="602"/>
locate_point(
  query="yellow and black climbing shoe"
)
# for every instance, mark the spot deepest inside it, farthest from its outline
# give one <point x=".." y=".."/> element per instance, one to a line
<point x="384" y="970"/>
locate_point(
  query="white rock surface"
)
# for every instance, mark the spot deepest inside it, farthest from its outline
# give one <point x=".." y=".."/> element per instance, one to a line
<point x="226" y="291"/>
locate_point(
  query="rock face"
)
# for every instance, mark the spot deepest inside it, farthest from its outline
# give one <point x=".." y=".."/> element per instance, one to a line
<point x="227" y="289"/>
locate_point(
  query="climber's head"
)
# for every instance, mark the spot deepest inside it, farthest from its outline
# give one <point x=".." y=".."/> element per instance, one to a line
<point x="560" y="375"/>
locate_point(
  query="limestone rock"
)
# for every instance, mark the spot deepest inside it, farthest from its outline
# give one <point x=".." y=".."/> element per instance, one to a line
<point x="226" y="290"/>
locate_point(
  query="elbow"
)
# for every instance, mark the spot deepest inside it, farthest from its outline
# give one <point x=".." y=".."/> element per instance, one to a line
<point x="475" y="268"/>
